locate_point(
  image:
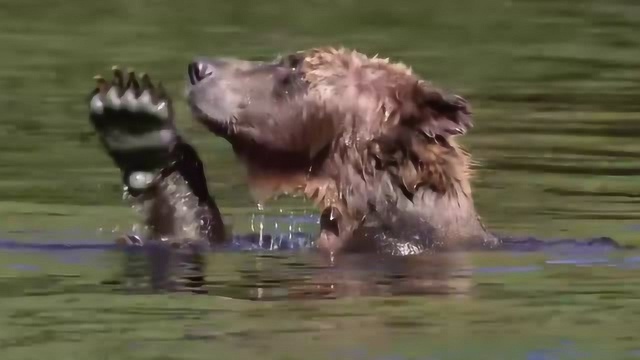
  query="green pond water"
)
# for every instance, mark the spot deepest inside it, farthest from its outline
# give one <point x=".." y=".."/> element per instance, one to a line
<point x="555" y="87"/>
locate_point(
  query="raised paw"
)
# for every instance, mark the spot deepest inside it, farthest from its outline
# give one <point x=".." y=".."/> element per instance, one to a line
<point x="134" y="121"/>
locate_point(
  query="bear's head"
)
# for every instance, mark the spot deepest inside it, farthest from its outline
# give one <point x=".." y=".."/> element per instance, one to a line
<point x="366" y="138"/>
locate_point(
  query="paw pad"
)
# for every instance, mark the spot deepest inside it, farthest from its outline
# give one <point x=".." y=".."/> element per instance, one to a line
<point x="134" y="120"/>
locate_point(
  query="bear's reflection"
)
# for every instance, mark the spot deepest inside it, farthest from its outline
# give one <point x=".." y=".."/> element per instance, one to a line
<point x="279" y="275"/>
<point x="355" y="275"/>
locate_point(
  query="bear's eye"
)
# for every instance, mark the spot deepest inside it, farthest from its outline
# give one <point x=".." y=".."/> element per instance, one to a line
<point x="285" y="76"/>
<point x="292" y="61"/>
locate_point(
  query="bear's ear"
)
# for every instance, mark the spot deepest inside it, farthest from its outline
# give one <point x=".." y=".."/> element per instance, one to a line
<point x="436" y="114"/>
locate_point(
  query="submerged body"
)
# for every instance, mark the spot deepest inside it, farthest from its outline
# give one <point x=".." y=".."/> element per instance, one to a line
<point x="369" y="141"/>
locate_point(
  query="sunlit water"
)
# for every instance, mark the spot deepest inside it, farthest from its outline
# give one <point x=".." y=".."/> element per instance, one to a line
<point x="555" y="89"/>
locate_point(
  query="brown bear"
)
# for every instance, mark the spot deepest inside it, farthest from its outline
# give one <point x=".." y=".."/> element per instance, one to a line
<point x="366" y="139"/>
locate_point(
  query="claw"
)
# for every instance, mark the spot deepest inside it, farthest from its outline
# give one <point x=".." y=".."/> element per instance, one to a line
<point x="96" y="105"/>
<point x="132" y="123"/>
<point x="129" y="100"/>
<point x="146" y="82"/>
<point x="145" y="95"/>
<point x="139" y="94"/>
<point x="101" y="84"/>
<point x="132" y="81"/>
<point x="117" y="75"/>
<point x="118" y="79"/>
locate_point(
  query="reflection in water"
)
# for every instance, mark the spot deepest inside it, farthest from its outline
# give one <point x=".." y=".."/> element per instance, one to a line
<point x="264" y="274"/>
<point x="283" y="275"/>
<point x="293" y="272"/>
<point x="284" y="266"/>
<point x="357" y="275"/>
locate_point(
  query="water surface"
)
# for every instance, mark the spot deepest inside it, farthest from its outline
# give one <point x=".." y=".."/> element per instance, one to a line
<point x="555" y="89"/>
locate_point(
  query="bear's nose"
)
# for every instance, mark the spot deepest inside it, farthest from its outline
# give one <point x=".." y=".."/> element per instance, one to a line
<point x="198" y="71"/>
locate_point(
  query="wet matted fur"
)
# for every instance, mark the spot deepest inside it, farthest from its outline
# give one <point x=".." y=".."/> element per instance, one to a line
<point x="368" y="140"/>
